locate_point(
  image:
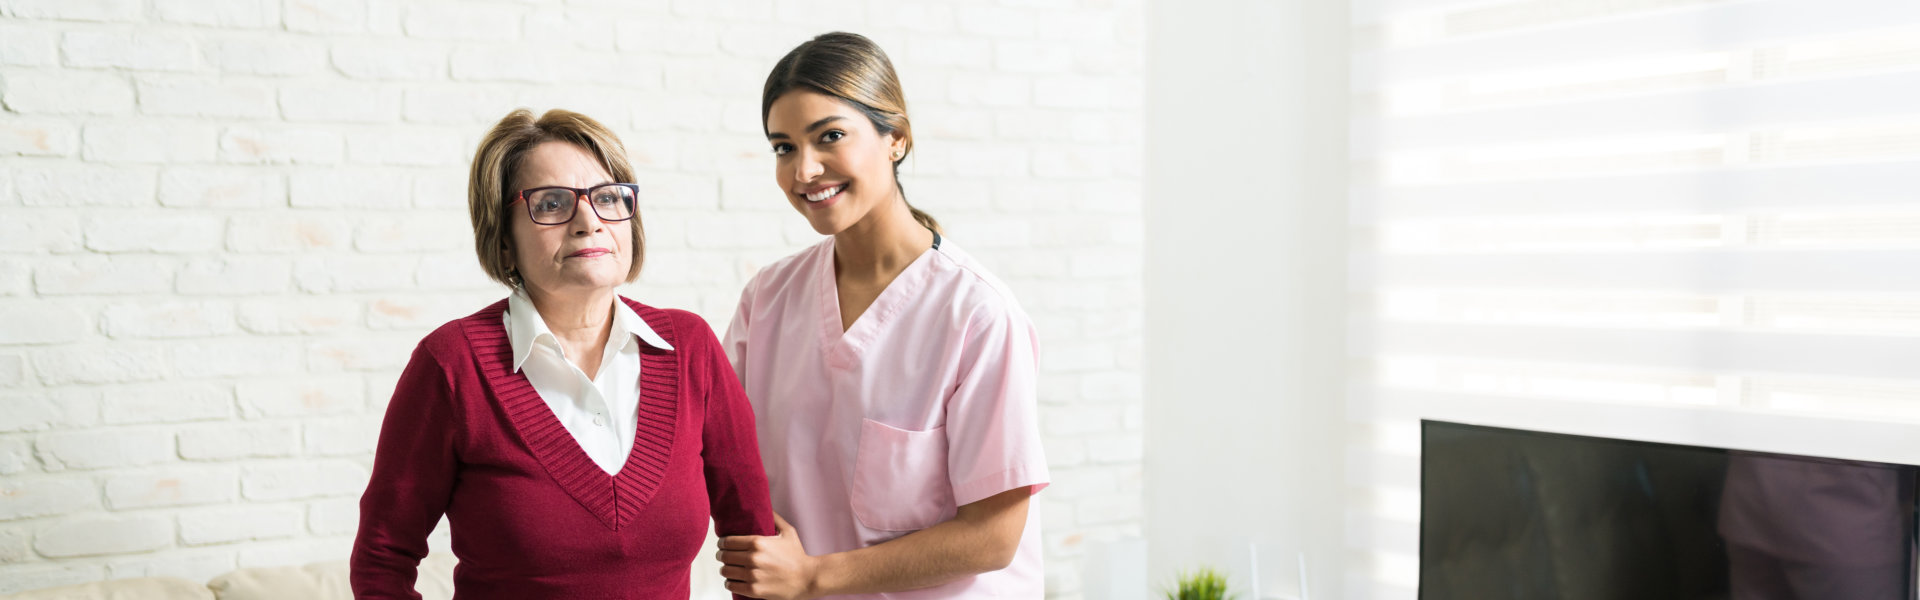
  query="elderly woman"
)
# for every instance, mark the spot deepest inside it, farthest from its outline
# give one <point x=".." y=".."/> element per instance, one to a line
<point x="576" y="441"/>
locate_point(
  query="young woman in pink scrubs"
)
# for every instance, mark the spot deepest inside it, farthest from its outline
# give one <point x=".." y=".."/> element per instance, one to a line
<point x="892" y="376"/>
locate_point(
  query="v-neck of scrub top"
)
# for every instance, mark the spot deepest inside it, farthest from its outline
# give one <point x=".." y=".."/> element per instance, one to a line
<point x="843" y="348"/>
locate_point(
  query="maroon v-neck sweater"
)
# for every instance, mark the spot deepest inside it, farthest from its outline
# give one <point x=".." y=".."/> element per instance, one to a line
<point x="534" y="517"/>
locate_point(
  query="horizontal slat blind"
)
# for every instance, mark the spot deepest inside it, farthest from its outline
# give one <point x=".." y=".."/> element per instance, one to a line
<point x="1693" y="221"/>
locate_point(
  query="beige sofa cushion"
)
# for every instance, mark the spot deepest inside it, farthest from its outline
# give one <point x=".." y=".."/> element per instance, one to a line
<point x="323" y="581"/>
<point x="142" y="588"/>
<point x="317" y="581"/>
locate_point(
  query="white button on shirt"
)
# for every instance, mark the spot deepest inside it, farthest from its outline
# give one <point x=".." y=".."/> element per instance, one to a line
<point x="600" y="412"/>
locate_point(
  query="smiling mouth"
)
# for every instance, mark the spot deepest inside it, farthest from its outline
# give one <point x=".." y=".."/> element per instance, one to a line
<point x="590" y="252"/>
<point x="823" y="195"/>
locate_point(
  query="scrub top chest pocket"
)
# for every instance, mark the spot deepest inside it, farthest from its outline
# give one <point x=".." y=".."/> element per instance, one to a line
<point x="900" y="478"/>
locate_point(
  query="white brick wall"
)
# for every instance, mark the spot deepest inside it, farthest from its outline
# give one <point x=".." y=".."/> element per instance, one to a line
<point x="225" y="223"/>
<point x="173" y="487"/>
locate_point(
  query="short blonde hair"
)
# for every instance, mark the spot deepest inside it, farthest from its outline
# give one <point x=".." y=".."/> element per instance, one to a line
<point x="496" y="166"/>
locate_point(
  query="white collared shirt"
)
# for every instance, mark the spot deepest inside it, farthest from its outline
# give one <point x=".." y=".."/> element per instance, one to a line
<point x="600" y="412"/>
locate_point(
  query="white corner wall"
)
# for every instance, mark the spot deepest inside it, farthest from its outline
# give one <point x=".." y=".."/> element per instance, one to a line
<point x="1246" y="214"/>
<point x="225" y="223"/>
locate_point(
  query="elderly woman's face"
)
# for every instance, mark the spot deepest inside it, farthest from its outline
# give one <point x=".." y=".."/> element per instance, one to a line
<point x="582" y="254"/>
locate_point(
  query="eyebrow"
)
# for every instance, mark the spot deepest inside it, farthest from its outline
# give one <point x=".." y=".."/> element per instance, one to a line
<point x="810" y="128"/>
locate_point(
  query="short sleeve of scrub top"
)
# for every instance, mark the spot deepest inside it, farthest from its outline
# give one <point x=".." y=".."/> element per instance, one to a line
<point x="992" y="429"/>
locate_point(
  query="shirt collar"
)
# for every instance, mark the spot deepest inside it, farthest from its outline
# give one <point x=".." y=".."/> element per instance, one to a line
<point x="525" y="327"/>
<point x="626" y="320"/>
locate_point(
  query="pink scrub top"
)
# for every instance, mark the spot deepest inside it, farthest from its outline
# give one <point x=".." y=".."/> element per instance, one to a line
<point x="925" y="404"/>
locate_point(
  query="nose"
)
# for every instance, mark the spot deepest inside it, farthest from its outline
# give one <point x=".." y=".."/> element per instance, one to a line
<point x="806" y="166"/>
<point x="585" y="221"/>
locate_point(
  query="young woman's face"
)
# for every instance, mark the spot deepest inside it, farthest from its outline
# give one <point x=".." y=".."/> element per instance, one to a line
<point x="582" y="254"/>
<point x="832" y="163"/>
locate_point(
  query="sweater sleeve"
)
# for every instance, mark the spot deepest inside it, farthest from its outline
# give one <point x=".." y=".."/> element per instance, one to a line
<point x="736" y="482"/>
<point x="413" y="473"/>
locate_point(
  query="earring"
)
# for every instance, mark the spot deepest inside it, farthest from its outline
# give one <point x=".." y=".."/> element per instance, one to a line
<point x="897" y="154"/>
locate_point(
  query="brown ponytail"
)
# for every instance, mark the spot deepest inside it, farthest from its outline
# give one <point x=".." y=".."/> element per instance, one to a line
<point x="852" y="68"/>
<point x="926" y="220"/>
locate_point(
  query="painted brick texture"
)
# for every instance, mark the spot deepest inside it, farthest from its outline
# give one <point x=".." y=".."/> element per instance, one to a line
<point x="225" y="223"/>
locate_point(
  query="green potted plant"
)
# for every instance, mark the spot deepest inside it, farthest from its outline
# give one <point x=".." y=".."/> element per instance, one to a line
<point x="1204" y="583"/>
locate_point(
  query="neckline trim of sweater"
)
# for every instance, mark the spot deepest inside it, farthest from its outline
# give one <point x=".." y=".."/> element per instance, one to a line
<point x="614" y="499"/>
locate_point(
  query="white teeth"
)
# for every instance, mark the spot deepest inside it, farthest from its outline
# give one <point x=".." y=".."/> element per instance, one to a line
<point x="824" y="194"/>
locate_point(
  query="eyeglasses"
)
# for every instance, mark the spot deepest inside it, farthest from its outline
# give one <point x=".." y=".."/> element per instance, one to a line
<point x="554" y="205"/>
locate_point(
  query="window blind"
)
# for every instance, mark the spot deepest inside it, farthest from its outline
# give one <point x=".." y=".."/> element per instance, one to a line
<point x="1653" y="219"/>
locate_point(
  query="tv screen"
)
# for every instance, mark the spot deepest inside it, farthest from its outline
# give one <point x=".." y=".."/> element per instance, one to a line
<point x="1524" y="515"/>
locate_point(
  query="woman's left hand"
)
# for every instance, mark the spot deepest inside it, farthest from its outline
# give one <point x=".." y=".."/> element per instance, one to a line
<point x="770" y="567"/>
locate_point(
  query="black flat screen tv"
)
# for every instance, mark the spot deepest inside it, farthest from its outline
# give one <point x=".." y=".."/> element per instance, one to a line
<point x="1508" y="514"/>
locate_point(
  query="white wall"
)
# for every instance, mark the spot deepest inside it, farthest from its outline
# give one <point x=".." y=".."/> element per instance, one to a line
<point x="225" y="223"/>
<point x="1246" y="163"/>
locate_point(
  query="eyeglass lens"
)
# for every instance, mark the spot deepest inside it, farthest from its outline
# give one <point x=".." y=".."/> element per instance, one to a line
<point x="555" y="206"/>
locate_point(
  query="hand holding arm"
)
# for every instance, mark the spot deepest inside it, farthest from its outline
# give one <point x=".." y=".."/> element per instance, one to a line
<point x="981" y="537"/>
